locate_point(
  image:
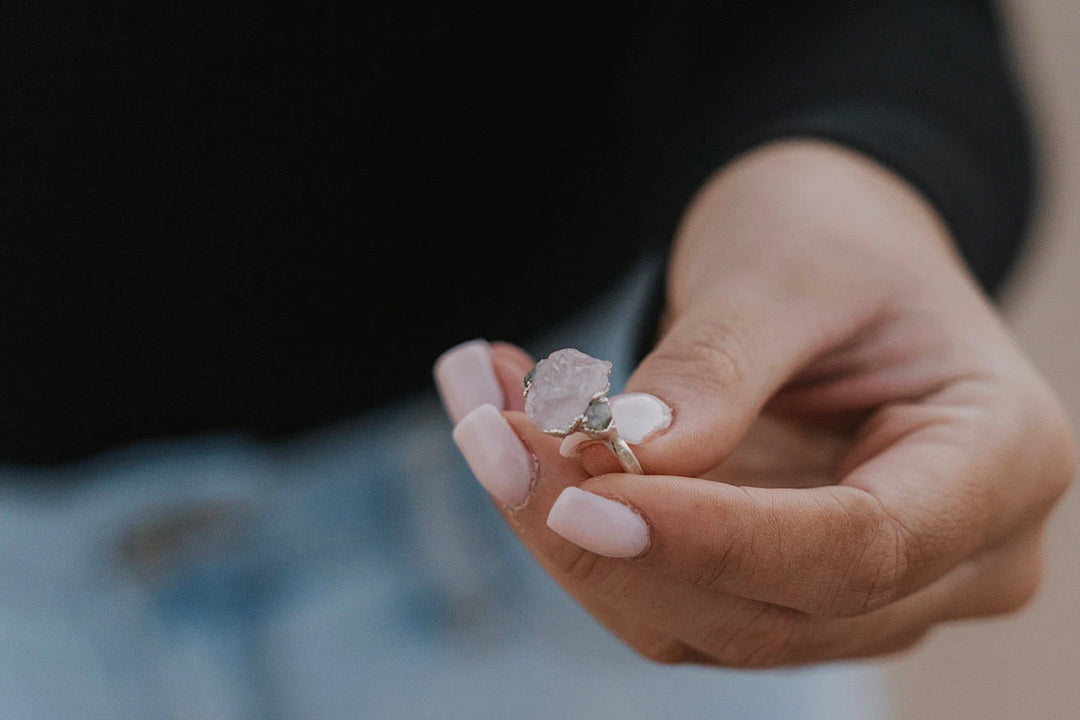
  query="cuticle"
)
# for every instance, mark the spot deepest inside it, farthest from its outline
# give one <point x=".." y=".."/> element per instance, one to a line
<point x="534" y="476"/>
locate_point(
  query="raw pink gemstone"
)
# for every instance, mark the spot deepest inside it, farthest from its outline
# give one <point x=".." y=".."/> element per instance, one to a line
<point x="563" y="385"/>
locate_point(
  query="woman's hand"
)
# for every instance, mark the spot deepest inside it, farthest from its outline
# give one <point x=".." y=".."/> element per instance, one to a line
<point x="857" y="448"/>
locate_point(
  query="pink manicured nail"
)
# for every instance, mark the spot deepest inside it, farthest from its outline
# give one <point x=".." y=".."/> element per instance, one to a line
<point x="639" y="416"/>
<point x="496" y="455"/>
<point x="597" y="524"/>
<point x="466" y="379"/>
<point x="571" y="443"/>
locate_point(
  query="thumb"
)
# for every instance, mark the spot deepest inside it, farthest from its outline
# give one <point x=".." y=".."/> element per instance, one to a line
<point x="717" y="366"/>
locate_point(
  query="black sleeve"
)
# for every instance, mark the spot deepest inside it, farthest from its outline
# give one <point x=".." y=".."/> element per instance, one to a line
<point x="922" y="86"/>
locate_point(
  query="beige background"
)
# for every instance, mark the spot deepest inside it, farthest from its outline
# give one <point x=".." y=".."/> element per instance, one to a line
<point x="1027" y="667"/>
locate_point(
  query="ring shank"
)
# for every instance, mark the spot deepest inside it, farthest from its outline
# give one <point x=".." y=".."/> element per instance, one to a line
<point x="624" y="455"/>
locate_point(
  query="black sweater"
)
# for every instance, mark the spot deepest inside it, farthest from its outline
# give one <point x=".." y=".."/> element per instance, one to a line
<point x="225" y="215"/>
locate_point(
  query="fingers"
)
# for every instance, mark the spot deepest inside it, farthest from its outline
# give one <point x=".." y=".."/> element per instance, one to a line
<point x="690" y="569"/>
<point x="824" y="551"/>
<point x="465" y="378"/>
<point x="736" y="632"/>
<point x="477" y="373"/>
<point x="829" y="550"/>
<point x="525" y="474"/>
<point x="682" y="597"/>
<point x="634" y="602"/>
<point x="1001" y="580"/>
<point x="965" y="469"/>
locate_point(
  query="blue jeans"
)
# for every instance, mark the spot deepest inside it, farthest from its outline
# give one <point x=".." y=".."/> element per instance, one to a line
<point x="356" y="572"/>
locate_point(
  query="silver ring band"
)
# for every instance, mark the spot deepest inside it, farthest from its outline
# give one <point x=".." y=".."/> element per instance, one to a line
<point x="624" y="455"/>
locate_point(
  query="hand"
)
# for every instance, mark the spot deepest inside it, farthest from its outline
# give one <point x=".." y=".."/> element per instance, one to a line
<point x="858" y="450"/>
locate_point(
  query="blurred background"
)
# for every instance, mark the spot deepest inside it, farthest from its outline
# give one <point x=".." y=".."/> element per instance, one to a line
<point x="1028" y="666"/>
<point x="206" y="611"/>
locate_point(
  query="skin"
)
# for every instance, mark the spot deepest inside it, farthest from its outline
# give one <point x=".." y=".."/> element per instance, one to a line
<point x="859" y="450"/>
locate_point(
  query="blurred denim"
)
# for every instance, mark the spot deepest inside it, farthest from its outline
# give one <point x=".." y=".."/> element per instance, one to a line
<point x="357" y="572"/>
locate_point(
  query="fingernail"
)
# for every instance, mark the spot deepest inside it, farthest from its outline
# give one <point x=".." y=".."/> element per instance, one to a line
<point x="496" y="455"/>
<point x="598" y="524"/>
<point x="466" y="379"/>
<point x="571" y="443"/>
<point x="639" y="416"/>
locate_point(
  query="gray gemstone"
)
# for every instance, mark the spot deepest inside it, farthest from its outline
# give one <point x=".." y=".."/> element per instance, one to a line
<point x="527" y="381"/>
<point x="598" y="416"/>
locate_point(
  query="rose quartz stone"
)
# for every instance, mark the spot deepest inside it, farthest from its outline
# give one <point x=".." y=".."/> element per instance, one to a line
<point x="563" y="385"/>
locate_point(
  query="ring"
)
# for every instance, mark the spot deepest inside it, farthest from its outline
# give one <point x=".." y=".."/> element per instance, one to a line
<point x="566" y="392"/>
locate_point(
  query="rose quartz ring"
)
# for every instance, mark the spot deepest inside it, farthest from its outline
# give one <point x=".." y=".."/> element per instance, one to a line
<point x="566" y="392"/>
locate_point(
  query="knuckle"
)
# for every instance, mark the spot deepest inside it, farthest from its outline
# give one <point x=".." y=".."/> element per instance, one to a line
<point x="873" y="584"/>
<point x="706" y="351"/>
<point x="874" y="576"/>
<point x="716" y="570"/>
<point x="769" y="640"/>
